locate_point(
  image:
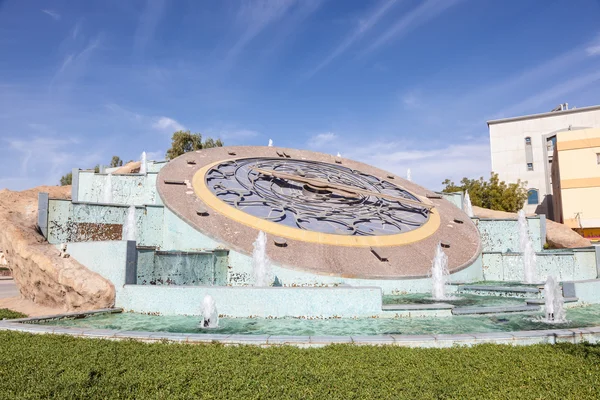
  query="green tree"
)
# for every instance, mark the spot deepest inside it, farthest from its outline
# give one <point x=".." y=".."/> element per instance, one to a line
<point x="185" y="141"/>
<point x="67" y="179"/>
<point x="116" y="162"/>
<point x="493" y="194"/>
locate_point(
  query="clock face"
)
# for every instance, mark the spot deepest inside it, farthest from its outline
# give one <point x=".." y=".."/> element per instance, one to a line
<point x="316" y="196"/>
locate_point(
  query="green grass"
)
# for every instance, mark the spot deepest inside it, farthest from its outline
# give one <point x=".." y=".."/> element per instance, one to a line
<point x="50" y="366"/>
<point x="10" y="314"/>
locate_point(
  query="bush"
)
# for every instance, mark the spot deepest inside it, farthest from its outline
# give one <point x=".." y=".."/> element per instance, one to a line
<point x="49" y="366"/>
<point x="10" y="314"/>
<point x="493" y="194"/>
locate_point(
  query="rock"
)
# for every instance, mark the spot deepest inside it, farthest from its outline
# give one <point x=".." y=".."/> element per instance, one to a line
<point x="39" y="275"/>
<point x="559" y="236"/>
<point x="129" y="168"/>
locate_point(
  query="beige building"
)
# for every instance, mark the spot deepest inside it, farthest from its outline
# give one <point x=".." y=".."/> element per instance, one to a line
<point x="522" y="148"/>
<point x="576" y="181"/>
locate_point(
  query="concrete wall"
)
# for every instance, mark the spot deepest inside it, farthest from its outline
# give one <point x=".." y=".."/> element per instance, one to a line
<point x="136" y="189"/>
<point x="455" y="198"/>
<point x="563" y="265"/>
<point x="508" y="148"/>
<point x="502" y="235"/>
<point x="243" y="302"/>
<point x="109" y="259"/>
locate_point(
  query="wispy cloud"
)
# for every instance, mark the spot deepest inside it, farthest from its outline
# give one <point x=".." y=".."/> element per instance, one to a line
<point x="53" y="14"/>
<point x="42" y="160"/>
<point x="429" y="165"/>
<point x="74" y="64"/>
<point x="321" y="140"/>
<point x="426" y="11"/>
<point x="162" y="124"/>
<point x="411" y="100"/>
<point x="167" y="125"/>
<point x="363" y="27"/>
<point x="553" y="93"/>
<point x="148" y="22"/>
<point x="593" y="50"/>
<point x="256" y="16"/>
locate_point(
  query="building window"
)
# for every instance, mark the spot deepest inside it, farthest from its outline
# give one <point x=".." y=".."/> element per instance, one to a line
<point x="532" y="196"/>
<point x="529" y="166"/>
<point x="528" y="141"/>
<point x="598" y="158"/>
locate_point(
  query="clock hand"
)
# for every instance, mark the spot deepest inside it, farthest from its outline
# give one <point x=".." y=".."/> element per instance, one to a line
<point x="342" y="190"/>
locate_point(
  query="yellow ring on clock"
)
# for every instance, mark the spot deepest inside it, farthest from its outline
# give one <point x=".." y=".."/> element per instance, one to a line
<point x="203" y="192"/>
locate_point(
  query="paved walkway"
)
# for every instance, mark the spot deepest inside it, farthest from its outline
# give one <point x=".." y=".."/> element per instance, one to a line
<point x="10" y="298"/>
<point x="8" y="289"/>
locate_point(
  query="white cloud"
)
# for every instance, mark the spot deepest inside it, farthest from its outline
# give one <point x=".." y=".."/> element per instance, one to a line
<point x="429" y="165"/>
<point x="167" y="125"/>
<point x="593" y="50"/>
<point x="155" y="155"/>
<point x="322" y="139"/>
<point x="411" y="100"/>
<point x="53" y="14"/>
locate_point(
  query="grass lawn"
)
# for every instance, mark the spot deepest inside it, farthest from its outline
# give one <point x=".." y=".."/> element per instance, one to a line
<point x="51" y="366"/>
<point x="10" y="314"/>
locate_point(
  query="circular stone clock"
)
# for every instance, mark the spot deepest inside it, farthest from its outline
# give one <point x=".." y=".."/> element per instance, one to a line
<point x="348" y="213"/>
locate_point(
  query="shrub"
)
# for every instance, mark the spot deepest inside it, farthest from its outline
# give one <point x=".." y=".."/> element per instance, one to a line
<point x="10" y="314"/>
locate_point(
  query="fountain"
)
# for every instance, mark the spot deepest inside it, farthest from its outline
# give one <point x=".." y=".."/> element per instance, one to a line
<point x="526" y="244"/>
<point x="107" y="192"/>
<point x="130" y="229"/>
<point x="467" y="206"/>
<point x="555" y="311"/>
<point x="408" y="175"/>
<point x="270" y="143"/>
<point x="439" y="274"/>
<point x="143" y="164"/>
<point x="261" y="266"/>
<point x="210" y="316"/>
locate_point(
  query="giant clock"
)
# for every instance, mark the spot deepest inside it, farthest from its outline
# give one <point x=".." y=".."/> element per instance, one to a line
<point x="332" y="213"/>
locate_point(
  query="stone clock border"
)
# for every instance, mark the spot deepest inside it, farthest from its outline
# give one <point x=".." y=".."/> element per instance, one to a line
<point x="403" y="261"/>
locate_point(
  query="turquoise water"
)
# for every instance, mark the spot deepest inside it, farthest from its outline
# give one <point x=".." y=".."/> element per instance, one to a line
<point x="578" y="317"/>
<point x="460" y="300"/>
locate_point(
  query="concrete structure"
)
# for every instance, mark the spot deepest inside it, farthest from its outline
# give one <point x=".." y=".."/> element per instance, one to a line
<point x="166" y="230"/>
<point x="522" y="149"/>
<point x="576" y="181"/>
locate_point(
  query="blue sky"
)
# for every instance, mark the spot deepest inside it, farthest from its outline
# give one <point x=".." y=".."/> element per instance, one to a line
<point x="398" y="84"/>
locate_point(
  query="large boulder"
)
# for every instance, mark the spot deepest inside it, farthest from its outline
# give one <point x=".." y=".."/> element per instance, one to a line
<point x="558" y="236"/>
<point x="37" y="268"/>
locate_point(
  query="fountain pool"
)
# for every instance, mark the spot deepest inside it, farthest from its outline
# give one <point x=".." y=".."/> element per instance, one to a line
<point x="577" y="317"/>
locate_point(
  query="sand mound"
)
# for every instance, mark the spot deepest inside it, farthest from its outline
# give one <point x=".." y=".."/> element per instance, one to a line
<point x="39" y="273"/>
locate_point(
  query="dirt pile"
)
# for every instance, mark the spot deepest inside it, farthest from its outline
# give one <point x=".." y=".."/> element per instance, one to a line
<point x="39" y="273"/>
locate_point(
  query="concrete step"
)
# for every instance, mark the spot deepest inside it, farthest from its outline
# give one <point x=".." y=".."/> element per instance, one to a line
<point x="414" y="307"/>
<point x="494" y="310"/>
<point x="507" y="291"/>
<point x="541" y="302"/>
